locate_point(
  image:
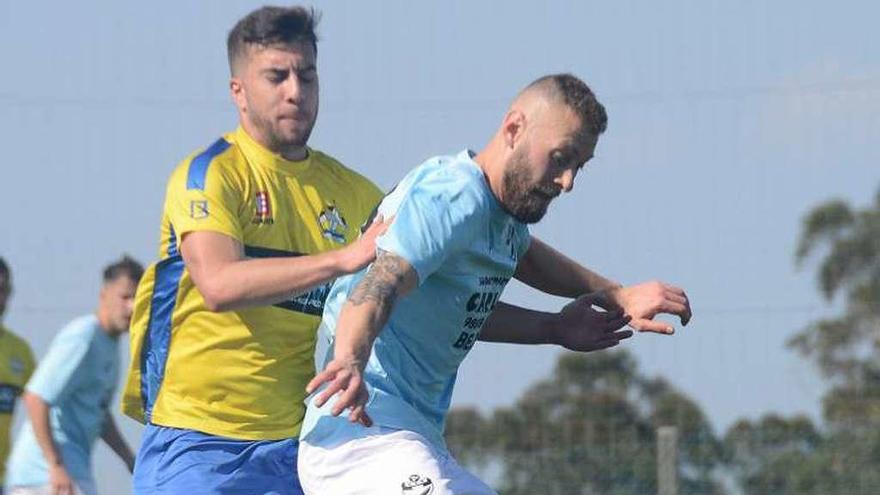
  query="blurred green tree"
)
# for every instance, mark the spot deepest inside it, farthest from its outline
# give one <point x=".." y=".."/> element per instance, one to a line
<point x="789" y="456"/>
<point x="589" y="429"/>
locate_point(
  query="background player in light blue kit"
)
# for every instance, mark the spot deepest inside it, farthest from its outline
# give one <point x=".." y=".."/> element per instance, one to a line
<point x="69" y="395"/>
<point x="394" y="335"/>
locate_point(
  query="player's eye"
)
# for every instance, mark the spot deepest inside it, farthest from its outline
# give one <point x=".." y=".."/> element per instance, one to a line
<point x="276" y="76"/>
<point x="559" y="159"/>
<point x="307" y="76"/>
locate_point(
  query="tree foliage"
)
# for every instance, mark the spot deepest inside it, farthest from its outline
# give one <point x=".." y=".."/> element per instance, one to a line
<point x="790" y="456"/>
<point x="590" y="428"/>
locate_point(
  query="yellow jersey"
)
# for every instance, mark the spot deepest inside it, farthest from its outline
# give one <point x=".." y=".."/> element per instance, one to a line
<point x="238" y="374"/>
<point x="16" y="367"/>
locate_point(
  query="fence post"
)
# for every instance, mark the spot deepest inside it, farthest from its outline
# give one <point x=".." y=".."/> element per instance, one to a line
<point x="667" y="460"/>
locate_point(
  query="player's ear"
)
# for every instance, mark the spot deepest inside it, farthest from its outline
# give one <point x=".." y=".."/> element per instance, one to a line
<point x="513" y="127"/>
<point x="236" y="90"/>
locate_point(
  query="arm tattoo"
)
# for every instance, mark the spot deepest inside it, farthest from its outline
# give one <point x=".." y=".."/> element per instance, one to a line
<point x="381" y="283"/>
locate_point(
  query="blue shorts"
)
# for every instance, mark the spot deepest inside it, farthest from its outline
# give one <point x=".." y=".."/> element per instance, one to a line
<point x="172" y="461"/>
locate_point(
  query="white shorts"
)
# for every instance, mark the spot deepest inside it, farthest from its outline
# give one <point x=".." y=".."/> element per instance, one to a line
<point x="80" y="487"/>
<point x="397" y="462"/>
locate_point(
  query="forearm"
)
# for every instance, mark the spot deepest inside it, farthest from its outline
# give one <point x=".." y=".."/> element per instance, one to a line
<point x="357" y="329"/>
<point x="551" y="272"/>
<point x="369" y="305"/>
<point x="515" y="325"/>
<point x="111" y="436"/>
<point x="38" y="413"/>
<point x="264" y="281"/>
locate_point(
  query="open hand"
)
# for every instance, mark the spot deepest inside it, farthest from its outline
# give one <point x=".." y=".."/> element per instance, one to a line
<point x="362" y="252"/>
<point x="582" y="328"/>
<point x="343" y="376"/>
<point x="644" y="301"/>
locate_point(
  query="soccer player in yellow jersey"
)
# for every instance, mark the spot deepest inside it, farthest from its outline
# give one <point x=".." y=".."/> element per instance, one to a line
<point x="16" y="367"/>
<point x="254" y="228"/>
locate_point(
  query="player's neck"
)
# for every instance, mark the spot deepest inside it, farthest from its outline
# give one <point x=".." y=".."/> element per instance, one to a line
<point x="491" y="163"/>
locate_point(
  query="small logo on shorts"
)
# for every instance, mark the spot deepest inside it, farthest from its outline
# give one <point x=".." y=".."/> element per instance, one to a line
<point x="417" y="484"/>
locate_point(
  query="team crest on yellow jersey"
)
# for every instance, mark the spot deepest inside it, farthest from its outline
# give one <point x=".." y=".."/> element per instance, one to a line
<point x="264" y="209"/>
<point x="332" y="224"/>
<point x="16" y="365"/>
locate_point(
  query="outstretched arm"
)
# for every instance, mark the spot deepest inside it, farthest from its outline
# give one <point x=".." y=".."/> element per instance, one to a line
<point x="361" y="319"/>
<point x="228" y="280"/>
<point x="577" y="327"/>
<point x="550" y="271"/>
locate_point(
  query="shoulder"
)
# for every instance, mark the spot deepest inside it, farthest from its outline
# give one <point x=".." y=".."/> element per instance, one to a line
<point x="347" y="175"/>
<point x="451" y="179"/>
<point x="82" y="329"/>
<point x="16" y="342"/>
<point x="219" y="160"/>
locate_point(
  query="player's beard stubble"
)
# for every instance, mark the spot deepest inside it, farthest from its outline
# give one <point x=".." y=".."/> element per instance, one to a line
<point x="524" y="200"/>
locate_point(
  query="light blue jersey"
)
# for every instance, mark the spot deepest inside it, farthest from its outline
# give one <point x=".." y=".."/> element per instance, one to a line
<point x="450" y="227"/>
<point x="77" y="378"/>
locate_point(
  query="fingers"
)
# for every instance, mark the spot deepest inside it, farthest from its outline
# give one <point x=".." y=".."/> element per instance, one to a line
<point x="674" y="308"/>
<point x="359" y="415"/>
<point x="348" y="398"/>
<point x="358" y="412"/>
<point x="612" y="315"/>
<point x="617" y="322"/>
<point x="377" y="228"/>
<point x="613" y="339"/>
<point x="319" y="379"/>
<point x="678" y="296"/>
<point x="335" y="386"/>
<point x="645" y="325"/>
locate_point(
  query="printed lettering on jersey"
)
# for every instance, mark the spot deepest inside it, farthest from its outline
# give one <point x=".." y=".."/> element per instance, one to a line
<point x="8" y="394"/>
<point x="478" y="307"/>
<point x="333" y="224"/>
<point x="263" y="214"/>
<point x="198" y="209"/>
<point x="311" y="302"/>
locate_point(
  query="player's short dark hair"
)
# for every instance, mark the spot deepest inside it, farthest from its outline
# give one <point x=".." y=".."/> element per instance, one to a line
<point x="268" y="26"/>
<point x="126" y="266"/>
<point x="576" y="95"/>
<point x="4" y="268"/>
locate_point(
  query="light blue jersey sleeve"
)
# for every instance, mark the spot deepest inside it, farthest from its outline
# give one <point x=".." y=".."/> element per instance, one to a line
<point x="58" y="371"/>
<point x="438" y="216"/>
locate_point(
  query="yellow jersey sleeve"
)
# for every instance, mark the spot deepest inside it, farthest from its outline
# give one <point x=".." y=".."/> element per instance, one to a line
<point x="202" y="196"/>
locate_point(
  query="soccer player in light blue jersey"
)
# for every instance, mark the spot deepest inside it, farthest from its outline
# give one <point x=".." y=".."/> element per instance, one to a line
<point x="393" y="335"/>
<point x="69" y="395"/>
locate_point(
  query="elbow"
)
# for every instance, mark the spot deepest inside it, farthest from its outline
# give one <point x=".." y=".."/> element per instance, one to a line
<point x="217" y="298"/>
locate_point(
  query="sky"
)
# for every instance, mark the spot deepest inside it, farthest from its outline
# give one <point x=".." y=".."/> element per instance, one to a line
<point x="728" y="121"/>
